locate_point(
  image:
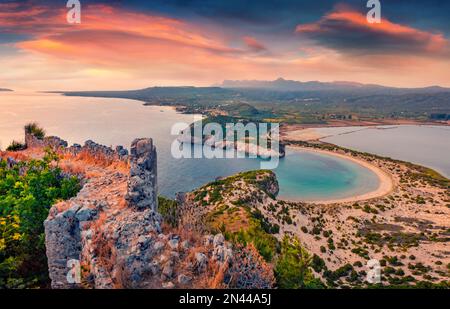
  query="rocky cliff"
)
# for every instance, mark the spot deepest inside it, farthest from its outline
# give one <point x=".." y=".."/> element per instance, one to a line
<point x="114" y="231"/>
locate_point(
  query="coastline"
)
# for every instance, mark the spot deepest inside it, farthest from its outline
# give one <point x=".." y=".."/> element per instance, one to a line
<point x="310" y="133"/>
<point x="386" y="182"/>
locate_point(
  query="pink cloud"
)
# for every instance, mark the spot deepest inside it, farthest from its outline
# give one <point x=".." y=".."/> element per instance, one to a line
<point x="348" y="30"/>
<point x="254" y="44"/>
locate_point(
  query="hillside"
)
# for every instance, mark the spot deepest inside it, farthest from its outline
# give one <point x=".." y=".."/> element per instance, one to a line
<point x="282" y="84"/>
<point x="121" y="233"/>
<point x="406" y="230"/>
<point x="233" y="232"/>
<point x="294" y="102"/>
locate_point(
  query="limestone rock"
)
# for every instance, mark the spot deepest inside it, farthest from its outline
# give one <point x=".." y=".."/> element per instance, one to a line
<point x="183" y="279"/>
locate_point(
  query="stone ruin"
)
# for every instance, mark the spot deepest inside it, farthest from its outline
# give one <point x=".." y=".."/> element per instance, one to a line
<point x="66" y="238"/>
<point x="56" y="143"/>
<point x="80" y="231"/>
<point x="142" y="184"/>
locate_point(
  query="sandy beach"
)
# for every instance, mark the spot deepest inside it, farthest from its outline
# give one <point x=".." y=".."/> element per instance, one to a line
<point x="386" y="183"/>
<point x="302" y="135"/>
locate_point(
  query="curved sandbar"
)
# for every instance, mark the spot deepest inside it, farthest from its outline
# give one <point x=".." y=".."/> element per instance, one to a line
<point x="386" y="183"/>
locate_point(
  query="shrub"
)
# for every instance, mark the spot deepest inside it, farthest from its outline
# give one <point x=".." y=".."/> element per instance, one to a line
<point x="266" y="244"/>
<point x="27" y="191"/>
<point x="358" y="264"/>
<point x="16" y="146"/>
<point x="34" y="129"/>
<point x="318" y="264"/>
<point x="169" y="210"/>
<point x="293" y="267"/>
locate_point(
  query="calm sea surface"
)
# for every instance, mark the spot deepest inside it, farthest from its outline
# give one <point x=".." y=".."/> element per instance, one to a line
<point x="302" y="175"/>
<point x="425" y="145"/>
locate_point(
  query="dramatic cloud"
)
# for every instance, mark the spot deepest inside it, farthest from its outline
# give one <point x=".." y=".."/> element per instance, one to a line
<point x="349" y="31"/>
<point x="49" y="24"/>
<point x="131" y="44"/>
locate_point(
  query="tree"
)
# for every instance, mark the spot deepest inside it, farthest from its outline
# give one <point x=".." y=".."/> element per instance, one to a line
<point x="293" y="267"/>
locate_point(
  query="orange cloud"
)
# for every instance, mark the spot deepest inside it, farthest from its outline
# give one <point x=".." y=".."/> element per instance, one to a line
<point x="116" y="48"/>
<point x="348" y="30"/>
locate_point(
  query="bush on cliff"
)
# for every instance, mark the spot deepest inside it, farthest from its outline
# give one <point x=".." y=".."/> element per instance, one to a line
<point x="169" y="210"/>
<point x="27" y="191"/>
<point x="34" y="129"/>
<point x="16" y="146"/>
<point x="293" y="267"/>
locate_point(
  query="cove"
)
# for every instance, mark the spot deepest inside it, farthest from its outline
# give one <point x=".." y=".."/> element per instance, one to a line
<point x="302" y="175"/>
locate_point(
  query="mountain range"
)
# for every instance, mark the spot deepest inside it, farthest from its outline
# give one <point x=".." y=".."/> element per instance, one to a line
<point x="281" y="84"/>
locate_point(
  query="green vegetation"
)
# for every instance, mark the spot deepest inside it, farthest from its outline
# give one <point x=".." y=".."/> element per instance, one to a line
<point x="239" y="222"/>
<point x="223" y="121"/>
<point x="254" y="232"/>
<point x="34" y="129"/>
<point x="293" y="269"/>
<point x="292" y="106"/>
<point x="16" y="146"/>
<point x="169" y="210"/>
<point x="27" y="191"/>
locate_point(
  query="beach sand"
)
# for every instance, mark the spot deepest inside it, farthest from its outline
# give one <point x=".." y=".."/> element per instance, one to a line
<point x="386" y="183"/>
<point x="302" y="135"/>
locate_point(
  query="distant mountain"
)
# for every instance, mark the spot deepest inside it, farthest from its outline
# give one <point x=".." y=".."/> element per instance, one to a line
<point x="281" y="84"/>
<point x="5" y="89"/>
<point x="281" y="97"/>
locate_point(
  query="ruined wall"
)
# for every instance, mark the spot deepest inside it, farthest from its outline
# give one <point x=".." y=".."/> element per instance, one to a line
<point x="143" y="176"/>
<point x="94" y="149"/>
<point x="113" y="229"/>
<point x="68" y="233"/>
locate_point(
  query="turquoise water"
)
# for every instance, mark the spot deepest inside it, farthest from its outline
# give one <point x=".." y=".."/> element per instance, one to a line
<point x="302" y="175"/>
<point x="305" y="175"/>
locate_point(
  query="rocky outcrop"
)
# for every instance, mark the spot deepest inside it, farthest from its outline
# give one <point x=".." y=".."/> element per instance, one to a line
<point x="55" y="142"/>
<point x="63" y="243"/>
<point x="142" y="183"/>
<point x="256" y="190"/>
<point x="113" y="229"/>
<point x="70" y="233"/>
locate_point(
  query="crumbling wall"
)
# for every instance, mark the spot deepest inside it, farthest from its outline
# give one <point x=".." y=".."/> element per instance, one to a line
<point x="67" y="232"/>
<point x="90" y="147"/>
<point x="113" y="228"/>
<point x="141" y="193"/>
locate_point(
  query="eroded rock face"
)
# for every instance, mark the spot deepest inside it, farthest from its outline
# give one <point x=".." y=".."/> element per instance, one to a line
<point x="142" y="183"/>
<point x="113" y="228"/>
<point x="75" y="233"/>
<point x="63" y="243"/>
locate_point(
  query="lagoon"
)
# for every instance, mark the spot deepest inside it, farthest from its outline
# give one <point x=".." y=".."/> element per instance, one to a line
<point x="303" y="175"/>
<point x="422" y="144"/>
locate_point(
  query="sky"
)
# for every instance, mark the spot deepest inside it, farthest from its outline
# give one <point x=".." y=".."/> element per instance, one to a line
<point x="135" y="44"/>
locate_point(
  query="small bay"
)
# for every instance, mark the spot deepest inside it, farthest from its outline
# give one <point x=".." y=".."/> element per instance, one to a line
<point x="303" y="175"/>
